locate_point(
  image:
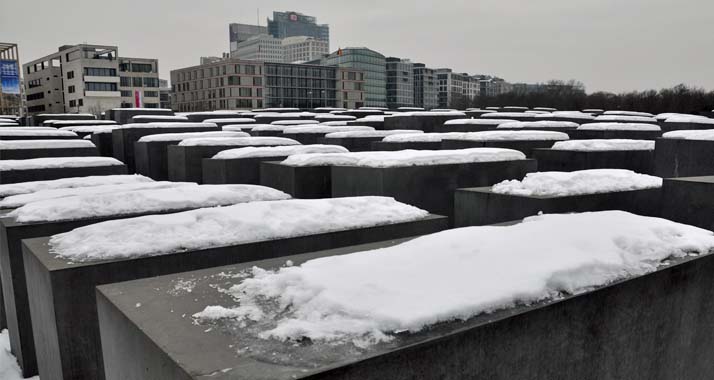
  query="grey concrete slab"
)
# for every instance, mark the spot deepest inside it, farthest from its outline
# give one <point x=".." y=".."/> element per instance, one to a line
<point x="480" y="206"/>
<point x="307" y="182"/>
<point x="24" y="154"/>
<point x="15" y="176"/>
<point x="428" y="187"/>
<point x="237" y="170"/>
<point x="62" y="296"/>
<point x="683" y="158"/>
<point x="353" y="144"/>
<point x="103" y="142"/>
<point x="613" y="134"/>
<point x="418" y="145"/>
<point x="689" y="200"/>
<point x="610" y="332"/>
<point x="423" y="123"/>
<point x="37" y="137"/>
<point x="640" y="161"/>
<point x="123" y="140"/>
<point x="677" y="126"/>
<point x="378" y="125"/>
<point x="123" y="116"/>
<point x="200" y="117"/>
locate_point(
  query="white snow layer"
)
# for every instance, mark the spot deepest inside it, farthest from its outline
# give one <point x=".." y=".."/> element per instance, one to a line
<point x="57" y="162"/>
<point x="143" y="201"/>
<point x="295" y="122"/>
<point x="592" y="181"/>
<point x="599" y="145"/>
<point x="238" y="141"/>
<point x="689" y="119"/>
<point x="277" y="151"/>
<point x="628" y="113"/>
<point x="667" y="115"/>
<point x="335" y="123"/>
<point x="9" y="370"/>
<point x="529" y="135"/>
<point x="626" y="118"/>
<point x="405" y="158"/>
<point x="167" y="125"/>
<point x="324" y="129"/>
<point x="34" y="132"/>
<point x="543" y="124"/>
<point x="190" y="135"/>
<point x="506" y="115"/>
<point x="243" y="120"/>
<point x="89" y="128"/>
<point x="478" y="121"/>
<point x="269" y="127"/>
<point x="159" y="117"/>
<point x="700" y="134"/>
<point x="334" y="117"/>
<point x="61" y="123"/>
<point x="42" y="195"/>
<point x="619" y="127"/>
<point x="376" y="118"/>
<point x="225" y="226"/>
<point x="421" y="137"/>
<point x="44" y="144"/>
<point x="370" y="133"/>
<point x="67" y="183"/>
<point x="567" y="114"/>
<point x="432" y="113"/>
<point x="365" y="297"/>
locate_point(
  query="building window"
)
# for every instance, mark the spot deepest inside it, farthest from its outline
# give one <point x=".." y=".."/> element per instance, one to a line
<point x="151" y="82"/>
<point x="73" y="103"/>
<point x="126" y="94"/>
<point x="151" y="94"/>
<point x="142" y="67"/>
<point x="250" y="69"/>
<point x="80" y="102"/>
<point x="100" y="86"/>
<point x="70" y="74"/>
<point x="125" y="81"/>
<point x="39" y="95"/>
<point x="245" y="92"/>
<point x="257" y="81"/>
<point x="100" y="72"/>
<point x="136" y="82"/>
<point x="70" y="89"/>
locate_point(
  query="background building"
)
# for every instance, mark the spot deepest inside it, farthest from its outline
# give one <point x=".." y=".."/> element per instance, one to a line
<point x="10" y="80"/>
<point x="373" y="65"/>
<point x="290" y="24"/>
<point x="164" y="94"/>
<point x="262" y="47"/>
<point x="300" y="49"/>
<point x="493" y="86"/>
<point x="425" y="89"/>
<point x="242" y="84"/>
<point x="456" y="90"/>
<point x="238" y="33"/>
<point x="139" y="82"/>
<point x="400" y="83"/>
<point x="87" y="79"/>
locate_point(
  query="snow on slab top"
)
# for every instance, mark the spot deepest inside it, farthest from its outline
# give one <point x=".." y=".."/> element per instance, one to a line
<point x="167" y="125"/>
<point x="563" y="184"/>
<point x="703" y="134"/>
<point x="599" y="145"/>
<point x="629" y="113"/>
<point x="44" y="144"/>
<point x="626" y="118"/>
<point x="238" y="127"/>
<point x="49" y="194"/>
<point x="67" y="114"/>
<point x="536" y="112"/>
<point x="478" y="121"/>
<point x="368" y="297"/>
<point x="333" y="117"/>
<point x="8" y="124"/>
<point x="35" y="132"/>
<point x="68" y="183"/>
<point x="689" y="119"/>
<point x="277" y="110"/>
<point x="324" y="129"/>
<point x="295" y="122"/>
<point x="405" y="158"/>
<point x="190" y="135"/>
<point x="61" y="123"/>
<point x="226" y="226"/>
<point x="330" y="109"/>
<point x="213" y="113"/>
<point x="27" y="128"/>
<point x="143" y="109"/>
<point x="277" y="151"/>
<point x="567" y="114"/>
<point x="619" y="127"/>
<point x="57" y="162"/>
<point x="432" y="113"/>
<point x="159" y="117"/>
<point x="667" y="115"/>
<point x="410" y="109"/>
<point x="143" y="201"/>
<point x="341" y="123"/>
<point x="245" y="120"/>
<point x="543" y="124"/>
<point x="373" y="118"/>
<point x="372" y="133"/>
<point x="511" y="136"/>
<point x="268" y="127"/>
<point x="238" y="141"/>
<point x="506" y="115"/>
<point x="420" y="137"/>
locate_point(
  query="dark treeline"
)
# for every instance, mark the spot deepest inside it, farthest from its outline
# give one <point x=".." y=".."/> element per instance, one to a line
<point x="572" y="96"/>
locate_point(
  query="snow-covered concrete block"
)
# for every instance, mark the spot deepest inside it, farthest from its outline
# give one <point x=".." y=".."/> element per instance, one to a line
<point x="27" y="149"/>
<point x="635" y="155"/>
<point x="40" y="169"/>
<point x="62" y="287"/>
<point x="422" y="120"/>
<point x="523" y="141"/>
<point x="687" y="153"/>
<point x="688" y="200"/>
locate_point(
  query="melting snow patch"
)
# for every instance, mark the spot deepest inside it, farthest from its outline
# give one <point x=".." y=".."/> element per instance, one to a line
<point x="598" y="145"/>
<point x="190" y="135"/>
<point x="44" y="144"/>
<point x="593" y="181"/>
<point x="619" y="127"/>
<point x="277" y="151"/>
<point x="65" y="183"/>
<point x="512" y="136"/>
<point x="421" y="137"/>
<point x="324" y="129"/>
<point x="370" y="133"/>
<point x="57" y="162"/>
<point x="238" y="141"/>
<point x="704" y="134"/>
<point x="543" y="124"/>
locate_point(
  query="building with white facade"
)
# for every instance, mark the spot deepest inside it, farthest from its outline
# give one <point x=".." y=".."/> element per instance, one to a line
<point x="456" y="90"/>
<point x="139" y="82"/>
<point x="303" y="49"/>
<point x="264" y="47"/>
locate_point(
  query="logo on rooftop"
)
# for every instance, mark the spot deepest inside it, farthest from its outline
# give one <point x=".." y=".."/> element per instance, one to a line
<point x="293" y="17"/>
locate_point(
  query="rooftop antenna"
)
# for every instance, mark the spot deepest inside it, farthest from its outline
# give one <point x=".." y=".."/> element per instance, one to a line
<point x="258" y="10"/>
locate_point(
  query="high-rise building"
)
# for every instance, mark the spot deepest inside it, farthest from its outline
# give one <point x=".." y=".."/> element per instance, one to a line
<point x="139" y="82"/>
<point x="291" y="24"/>
<point x="400" y="83"/>
<point x="262" y="47"/>
<point x="243" y="84"/>
<point x="373" y="65"/>
<point x="425" y="89"/>
<point x="455" y="90"/>
<point x="238" y="33"/>
<point x="11" y="96"/>
<point x="303" y="49"/>
<point x="88" y="79"/>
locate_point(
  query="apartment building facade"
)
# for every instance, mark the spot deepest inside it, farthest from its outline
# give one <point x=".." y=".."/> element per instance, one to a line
<point x="400" y="83"/>
<point x="139" y="82"/>
<point x="372" y="63"/>
<point x="425" y="88"/>
<point x="455" y="90"/>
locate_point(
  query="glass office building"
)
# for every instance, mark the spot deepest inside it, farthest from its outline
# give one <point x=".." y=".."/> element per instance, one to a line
<point x="372" y="63"/>
<point x="291" y="24"/>
<point x="400" y="83"/>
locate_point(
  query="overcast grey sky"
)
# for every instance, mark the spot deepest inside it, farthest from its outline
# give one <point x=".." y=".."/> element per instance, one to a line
<point x="612" y="45"/>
